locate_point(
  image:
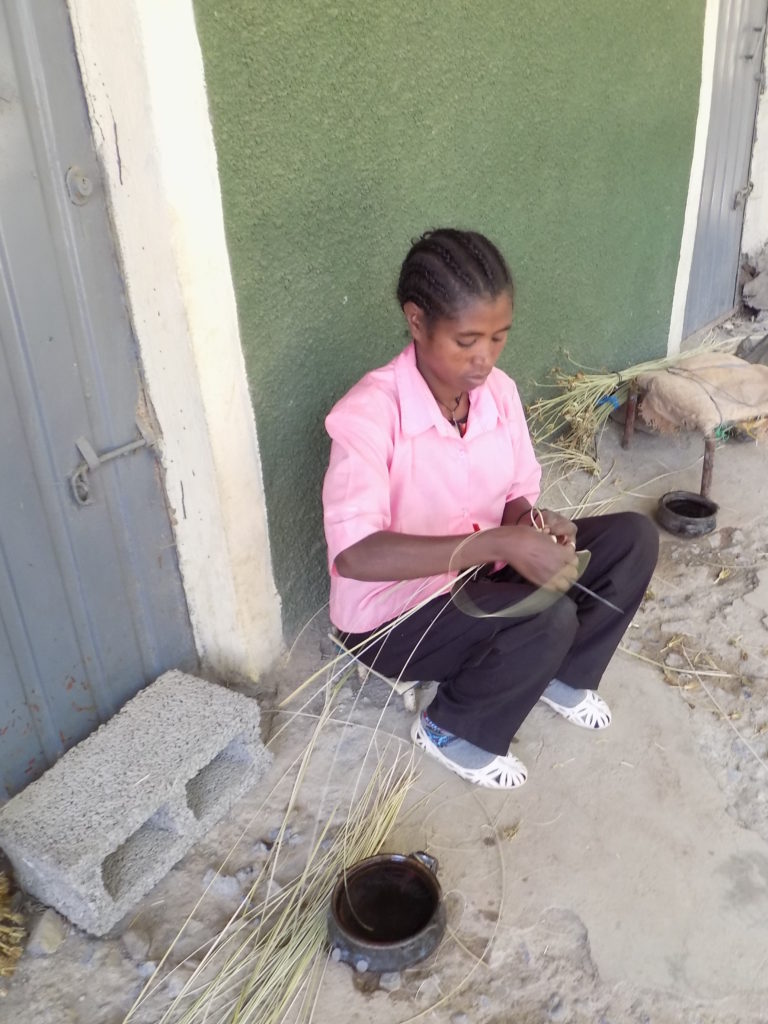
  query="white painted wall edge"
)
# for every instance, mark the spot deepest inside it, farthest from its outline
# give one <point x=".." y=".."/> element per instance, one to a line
<point x="711" y="15"/>
<point x="143" y="78"/>
<point x="755" y="234"/>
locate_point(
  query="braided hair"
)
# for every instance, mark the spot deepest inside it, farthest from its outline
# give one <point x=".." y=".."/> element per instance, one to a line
<point x="446" y="269"/>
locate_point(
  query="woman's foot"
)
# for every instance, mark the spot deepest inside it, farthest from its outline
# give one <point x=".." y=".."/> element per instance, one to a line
<point x="582" y="707"/>
<point x="481" y="767"/>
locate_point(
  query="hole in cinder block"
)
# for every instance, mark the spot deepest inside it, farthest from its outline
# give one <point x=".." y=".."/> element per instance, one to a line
<point x="127" y="865"/>
<point x="223" y="775"/>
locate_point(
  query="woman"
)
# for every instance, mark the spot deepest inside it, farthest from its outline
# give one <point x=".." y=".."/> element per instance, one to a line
<point x="432" y="472"/>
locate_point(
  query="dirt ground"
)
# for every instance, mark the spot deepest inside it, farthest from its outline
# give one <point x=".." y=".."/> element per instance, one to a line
<point x="627" y="881"/>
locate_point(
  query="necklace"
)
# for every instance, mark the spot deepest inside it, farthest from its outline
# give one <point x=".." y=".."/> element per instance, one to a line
<point x="459" y="424"/>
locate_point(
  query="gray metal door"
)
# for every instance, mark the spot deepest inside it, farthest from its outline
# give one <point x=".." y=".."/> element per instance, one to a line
<point x="91" y="600"/>
<point x="725" y="185"/>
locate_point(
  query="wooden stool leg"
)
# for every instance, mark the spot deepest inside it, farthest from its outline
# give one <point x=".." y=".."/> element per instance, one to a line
<point x="629" y="422"/>
<point x="709" y="462"/>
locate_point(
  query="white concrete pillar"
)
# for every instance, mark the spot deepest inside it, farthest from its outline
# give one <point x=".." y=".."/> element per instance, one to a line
<point x="143" y="78"/>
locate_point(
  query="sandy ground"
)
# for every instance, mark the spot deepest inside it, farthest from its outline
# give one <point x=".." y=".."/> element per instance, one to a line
<point x="626" y="882"/>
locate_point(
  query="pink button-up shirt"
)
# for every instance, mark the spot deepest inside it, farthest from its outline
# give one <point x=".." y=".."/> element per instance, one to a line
<point x="397" y="464"/>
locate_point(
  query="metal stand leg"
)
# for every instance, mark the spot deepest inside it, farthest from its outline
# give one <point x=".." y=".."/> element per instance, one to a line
<point x="629" y="422"/>
<point x="407" y="690"/>
<point x="709" y="462"/>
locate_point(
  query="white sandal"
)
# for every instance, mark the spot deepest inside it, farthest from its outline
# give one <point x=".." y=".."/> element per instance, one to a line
<point x="503" y="772"/>
<point x="590" y="713"/>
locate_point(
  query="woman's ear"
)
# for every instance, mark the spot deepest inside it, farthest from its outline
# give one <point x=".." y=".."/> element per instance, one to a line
<point x="416" y="320"/>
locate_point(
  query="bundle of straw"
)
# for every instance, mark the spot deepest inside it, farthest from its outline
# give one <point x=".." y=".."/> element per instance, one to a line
<point x="266" y="961"/>
<point x="565" y="427"/>
<point x="11" y="931"/>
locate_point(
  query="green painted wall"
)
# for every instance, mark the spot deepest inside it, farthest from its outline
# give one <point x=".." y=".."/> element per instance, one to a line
<point x="561" y="128"/>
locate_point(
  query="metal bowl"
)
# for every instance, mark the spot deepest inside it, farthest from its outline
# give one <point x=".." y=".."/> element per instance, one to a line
<point x="687" y="514"/>
<point x="386" y="912"/>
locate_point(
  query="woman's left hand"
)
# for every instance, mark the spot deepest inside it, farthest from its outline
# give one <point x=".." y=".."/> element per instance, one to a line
<point x="559" y="527"/>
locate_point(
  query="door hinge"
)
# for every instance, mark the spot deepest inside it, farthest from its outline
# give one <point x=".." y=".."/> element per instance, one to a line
<point x="740" y="198"/>
<point x="79" y="481"/>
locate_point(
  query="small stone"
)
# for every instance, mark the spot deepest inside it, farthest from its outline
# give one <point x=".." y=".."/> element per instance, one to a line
<point x="557" y="1010"/>
<point x="136" y="943"/>
<point x="361" y="966"/>
<point x="429" y="991"/>
<point x="390" y="981"/>
<point x="289" y="837"/>
<point x="674" y="660"/>
<point x="245" y="877"/>
<point x="227" y="887"/>
<point x="113" y="960"/>
<point x="176" y="980"/>
<point x="459" y="1018"/>
<point x="48" y="934"/>
<point x="147" y="969"/>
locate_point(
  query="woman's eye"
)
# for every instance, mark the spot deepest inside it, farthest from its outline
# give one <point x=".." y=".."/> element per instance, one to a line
<point x="465" y="343"/>
<point x="498" y="339"/>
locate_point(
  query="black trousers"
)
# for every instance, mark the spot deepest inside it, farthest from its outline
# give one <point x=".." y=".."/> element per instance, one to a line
<point x="493" y="670"/>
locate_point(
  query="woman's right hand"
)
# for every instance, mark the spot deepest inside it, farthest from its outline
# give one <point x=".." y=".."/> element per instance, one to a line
<point x="536" y="556"/>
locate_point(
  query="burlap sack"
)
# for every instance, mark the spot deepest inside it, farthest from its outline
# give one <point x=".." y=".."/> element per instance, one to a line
<point x="702" y="392"/>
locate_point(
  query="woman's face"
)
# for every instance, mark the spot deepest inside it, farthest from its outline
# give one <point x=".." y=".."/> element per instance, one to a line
<point x="458" y="354"/>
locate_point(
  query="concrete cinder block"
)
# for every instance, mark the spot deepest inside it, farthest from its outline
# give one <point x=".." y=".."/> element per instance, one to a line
<point x="107" y="821"/>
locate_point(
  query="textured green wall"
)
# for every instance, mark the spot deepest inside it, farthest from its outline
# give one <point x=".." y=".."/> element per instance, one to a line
<point x="561" y="128"/>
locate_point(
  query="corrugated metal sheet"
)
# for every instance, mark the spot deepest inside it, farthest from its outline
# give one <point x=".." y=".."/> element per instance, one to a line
<point x="716" y="253"/>
<point x="91" y="601"/>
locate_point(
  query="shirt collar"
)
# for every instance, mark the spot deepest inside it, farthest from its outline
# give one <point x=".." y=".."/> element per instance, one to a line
<point x="419" y="410"/>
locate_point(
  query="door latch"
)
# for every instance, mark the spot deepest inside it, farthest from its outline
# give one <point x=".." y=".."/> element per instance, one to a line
<point x="79" y="481"/>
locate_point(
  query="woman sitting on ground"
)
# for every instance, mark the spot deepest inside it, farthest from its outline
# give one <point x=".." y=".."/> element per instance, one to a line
<point x="432" y="472"/>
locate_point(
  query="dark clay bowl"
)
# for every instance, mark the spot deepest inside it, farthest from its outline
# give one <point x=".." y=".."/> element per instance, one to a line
<point x="687" y="514"/>
<point x="386" y="912"/>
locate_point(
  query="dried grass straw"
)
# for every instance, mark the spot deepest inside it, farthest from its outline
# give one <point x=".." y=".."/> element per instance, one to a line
<point x="265" y="961"/>
<point x="565" y="427"/>
<point x="11" y="931"/>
